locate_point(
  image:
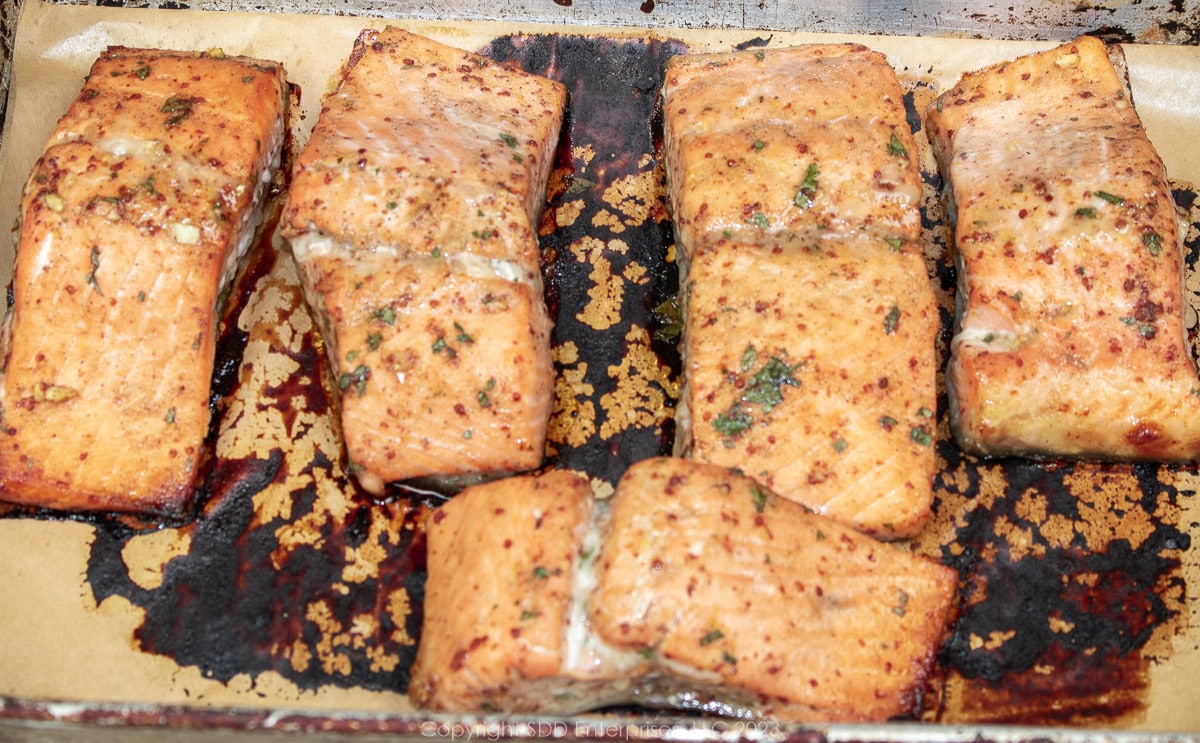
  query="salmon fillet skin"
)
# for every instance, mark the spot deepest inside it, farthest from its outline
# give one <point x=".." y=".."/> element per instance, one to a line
<point x="412" y="215"/>
<point x="691" y="588"/>
<point x="134" y="219"/>
<point x="810" y="320"/>
<point x="1070" y="339"/>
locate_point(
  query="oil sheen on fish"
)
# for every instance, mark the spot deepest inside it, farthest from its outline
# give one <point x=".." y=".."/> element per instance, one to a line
<point x="133" y="220"/>
<point x="1070" y="339"/>
<point x="412" y="216"/>
<point x="692" y="588"/>
<point x="809" y="317"/>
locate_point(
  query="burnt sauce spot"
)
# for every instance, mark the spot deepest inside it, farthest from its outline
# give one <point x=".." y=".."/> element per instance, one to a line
<point x="605" y="220"/>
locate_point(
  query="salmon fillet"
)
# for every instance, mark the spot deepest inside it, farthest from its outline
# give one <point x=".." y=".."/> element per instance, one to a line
<point x="693" y="587"/>
<point x="1070" y="339"/>
<point x="810" y="321"/>
<point x="412" y="216"/>
<point x="133" y="220"/>
<point x="502" y="631"/>
<point x="788" y="144"/>
<point x="815" y="373"/>
<point x="756" y="603"/>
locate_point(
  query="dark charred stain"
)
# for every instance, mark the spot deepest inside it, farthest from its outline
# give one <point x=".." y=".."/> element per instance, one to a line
<point x="754" y="43"/>
<point x="613" y="112"/>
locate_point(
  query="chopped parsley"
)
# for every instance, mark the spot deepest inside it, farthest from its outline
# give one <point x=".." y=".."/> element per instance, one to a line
<point x="918" y="435"/>
<point x="1086" y="212"/>
<point x="357" y="379"/>
<point x="1152" y="241"/>
<point x="1110" y="198"/>
<point x="759" y="496"/>
<point x="891" y="321"/>
<point x="711" y="637"/>
<point x="808" y="187"/>
<point x="179" y="108"/>
<point x="896" y="147"/>
<point x="385" y="315"/>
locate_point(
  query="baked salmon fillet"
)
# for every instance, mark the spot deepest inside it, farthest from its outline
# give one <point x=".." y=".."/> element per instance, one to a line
<point x="135" y="217"/>
<point x="412" y="216"/>
<point x="786" y="144"/>
<point x="754" y="605"/>
<point x="503" y="627"/>
<point x="815" y="372"/>
<point x="810" y="321"/>
<point x="1069" y="339"/>
<point x="692" y="588"/>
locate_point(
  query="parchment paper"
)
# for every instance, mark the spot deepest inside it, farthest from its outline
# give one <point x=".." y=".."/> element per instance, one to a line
<point x="56" y="644"/>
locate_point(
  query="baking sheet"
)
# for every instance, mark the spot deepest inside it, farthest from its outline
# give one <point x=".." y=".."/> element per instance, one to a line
<point x="64" y="641"/>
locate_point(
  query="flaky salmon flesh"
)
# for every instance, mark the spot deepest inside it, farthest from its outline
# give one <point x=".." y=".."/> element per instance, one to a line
<point x="692" y="587"/>
<point x="810" y="321"/>
<point x="412" y="215"/>
<point x="1070" y="339"/>
<point x="134" y="218"/>
<point x="789" y="143"/>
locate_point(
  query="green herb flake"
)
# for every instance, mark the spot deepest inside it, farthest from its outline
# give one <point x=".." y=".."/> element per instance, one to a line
<point x="729" y="659"/>
<point x="896" y="147"/>
<point x="528" y="615"/>
<point x="670" y="317"/>
<point x="1110" y="198"/>
<point x="732" y="423"/>
<point x="542" y="573"/>
<point x="647" y="653"/>
<point x="1153" y="242"/>
<point x="509" y="140"/>
<point x="385" y="315"/>
<point x="759" y="496"/>
<point x="462" y="336"/>
<point x="901" y="602"/>
<point x="895" y="243"/>
<point x="924" y="412"/>
<point x="179" y="108"/>
<point x="840" y="444"/>
<point x="766" y="386"/>
<point x="1086" y="212"/>
<point x="141" y="296"/>
<point x="439" y="345"/>
<point x="91" y="277"/>
<point x="247" y="78"/>
<point x="484" y="400"/>
<point x="891" y="321"/>
<point x="918" y="435"/>
<point x="760" y="55"/>
<point x="760" y="221"/>
<point x="711" y="637"/>
<point x="820" y="536"/>
<point x="808" y="187"/>
<point x="467" y="434"/>
<point x="887" y="422"/>
<point x="170" y="417"/>
<point x="749" y="356"/>
<point x="373" y="341"/>
<point x="758" y="145"/>
<point x="356" y="379"/>
<point x="142" y="72"/>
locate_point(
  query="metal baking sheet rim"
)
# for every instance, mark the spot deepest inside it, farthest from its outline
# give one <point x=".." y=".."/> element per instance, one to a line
<point x="34" y="720"/>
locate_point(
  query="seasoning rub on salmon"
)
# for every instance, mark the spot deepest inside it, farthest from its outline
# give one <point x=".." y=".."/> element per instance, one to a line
<point x="753" y="604"/>
<point x="135" y="217"/>
<point x="412" y="215"/>
<point x="1070" y="338"/>
<point x="503" y="628"/>
<point x="693" y="587"/>
<point x="809" y="317"/>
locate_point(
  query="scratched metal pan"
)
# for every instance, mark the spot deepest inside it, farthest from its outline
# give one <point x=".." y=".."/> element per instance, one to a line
<point x="1074" y="577"/>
